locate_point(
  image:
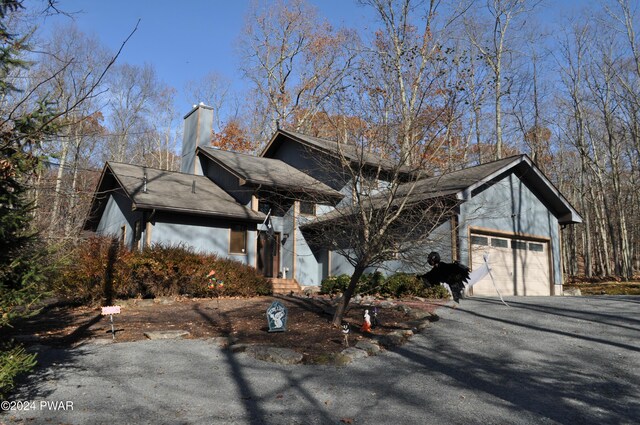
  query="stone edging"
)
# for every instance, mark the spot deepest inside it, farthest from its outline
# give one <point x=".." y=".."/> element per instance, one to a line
<point x="363" y="348"/>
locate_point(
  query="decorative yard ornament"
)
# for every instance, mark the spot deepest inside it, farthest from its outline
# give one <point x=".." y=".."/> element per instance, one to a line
<point x="454" y="275"/>
<point x="366" y="326"/>
<point x="216" y="285"/>
<point x="374" y="318"/>
<point x="480" y="272"/>
<point x="345" y="332"/>
<point x="277" y="317"/>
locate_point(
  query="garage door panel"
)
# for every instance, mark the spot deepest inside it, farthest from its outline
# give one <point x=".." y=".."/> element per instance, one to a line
<point x="519" y="267"/>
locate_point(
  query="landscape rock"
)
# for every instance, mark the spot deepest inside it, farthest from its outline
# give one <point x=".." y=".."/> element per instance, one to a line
<point x="572" y="292"/>
<point x="418" y="325"/>
<point x="367" y="300"/>
<point x="420" y="315"/>
<point x="407" y="333"/>
<point x="353" y="354"/>
<point x="239" y="348"/>
<point x="222" y="341"/>
<point x="387" y="304"/>
<point x="166" y="334"/>
<point x="371" y="348"/>
<point x="392" y="340"/>
<point x="404" y="309"/>
<point x="277" y="355"/>
<point x="310" y="291"/>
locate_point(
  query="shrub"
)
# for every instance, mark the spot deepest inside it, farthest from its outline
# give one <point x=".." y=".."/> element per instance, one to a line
<point x="401" y="284"/>
<point x="101" y="268"/>
<point x="435" y="292"/>
<point x="14" y="360"/>
<point x="370" y="284"/>
<point x="335" y="284"/>
<point x="397" y="285"/>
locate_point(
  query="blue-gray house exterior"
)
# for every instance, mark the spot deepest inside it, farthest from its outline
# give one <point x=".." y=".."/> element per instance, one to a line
<point x="219" y="195"/>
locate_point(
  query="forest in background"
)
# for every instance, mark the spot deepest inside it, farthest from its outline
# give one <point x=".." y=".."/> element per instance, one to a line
<point x="447" y="85"/>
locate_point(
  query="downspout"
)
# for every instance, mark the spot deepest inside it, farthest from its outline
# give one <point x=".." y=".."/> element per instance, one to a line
<point x="296" y="205"/>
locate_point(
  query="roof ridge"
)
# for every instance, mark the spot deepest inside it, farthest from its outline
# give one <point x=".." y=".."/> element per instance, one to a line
<point x="240" y="153"/>
<point x="495" y="161"/>
<point x="152" y="168"/>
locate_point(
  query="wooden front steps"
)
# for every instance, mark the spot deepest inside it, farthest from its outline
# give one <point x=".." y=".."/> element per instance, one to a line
<point x="284" y="286"/>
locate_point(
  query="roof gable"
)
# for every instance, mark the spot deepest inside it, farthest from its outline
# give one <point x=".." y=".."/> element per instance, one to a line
<point x="332" y="148"/>
<point x="167" y="191"/>
<point x="268" y="172"/>
<point x="464" y="182"/>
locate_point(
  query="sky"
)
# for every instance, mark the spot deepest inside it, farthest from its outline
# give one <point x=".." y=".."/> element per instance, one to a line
<point x="185" y="40"/>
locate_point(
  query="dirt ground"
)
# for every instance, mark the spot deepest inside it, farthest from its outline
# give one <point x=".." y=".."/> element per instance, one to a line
<point x="308" y="328"/>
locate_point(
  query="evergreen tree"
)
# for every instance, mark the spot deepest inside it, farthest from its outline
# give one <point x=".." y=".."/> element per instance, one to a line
<point x="24" y="123"/>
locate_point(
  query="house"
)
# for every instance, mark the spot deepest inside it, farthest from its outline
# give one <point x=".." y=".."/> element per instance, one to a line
<point x="221" y="202"/>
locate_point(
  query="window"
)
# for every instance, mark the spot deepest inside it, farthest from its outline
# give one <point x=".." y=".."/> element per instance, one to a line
<point x="499" y="243"/>
<point x="238" y="240"/>
<point x="519" y="245"/>
<point x="307" y="208"/>
<point x="537" y="247"/>
<point x="479" y="240"/>
<point x="264" y="207"/>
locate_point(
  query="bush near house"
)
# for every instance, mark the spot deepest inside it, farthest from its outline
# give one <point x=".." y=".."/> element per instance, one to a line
<point x="100" y="268"/>
<point x="397" y="285"/>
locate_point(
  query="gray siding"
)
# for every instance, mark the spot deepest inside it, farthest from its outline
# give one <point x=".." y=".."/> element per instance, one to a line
<point x="510" y="206"/>
<point x="227" y="181"/>
<point x="308" y="269"/>
<point x="202" y="235"/>
<point x="316" y="164"/>
<point x="117" y="214"/>
<point x="415" y="262"/>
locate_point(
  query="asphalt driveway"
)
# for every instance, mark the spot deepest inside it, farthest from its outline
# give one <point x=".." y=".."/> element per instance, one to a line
<point x="541" y="360"/>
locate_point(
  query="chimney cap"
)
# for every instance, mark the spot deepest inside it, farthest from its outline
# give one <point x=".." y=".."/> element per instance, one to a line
<point x="196" y="107"/>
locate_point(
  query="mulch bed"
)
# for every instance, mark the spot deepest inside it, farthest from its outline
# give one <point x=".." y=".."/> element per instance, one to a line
<point x="309" y="330"/>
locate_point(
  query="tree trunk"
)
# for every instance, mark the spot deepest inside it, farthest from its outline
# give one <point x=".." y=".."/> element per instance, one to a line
<point x="58" y="187"/>
<point x="346" y="297"/>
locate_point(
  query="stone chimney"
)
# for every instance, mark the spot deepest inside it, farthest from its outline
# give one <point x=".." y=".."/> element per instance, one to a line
<point x="198" y="125"/>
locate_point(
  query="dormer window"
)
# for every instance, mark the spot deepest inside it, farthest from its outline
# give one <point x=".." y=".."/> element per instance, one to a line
<point x="307" y="208"/>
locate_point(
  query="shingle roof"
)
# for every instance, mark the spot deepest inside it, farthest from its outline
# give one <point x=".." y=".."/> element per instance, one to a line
<point x="331" y="147"/>
<point x="457" y="182"/>
<point x="173" y="191"/>
<point x="269" y="172"/>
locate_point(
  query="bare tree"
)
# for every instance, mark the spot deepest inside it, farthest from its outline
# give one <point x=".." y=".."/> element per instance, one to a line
<point x="406" y="70"/>
<point x="295" y="63"/>
<point x="81" y="59"/>
<point x="214" y="90"/>
<point x="389" y="212"/>
<point x="132" y="93"/>
<point x="495" y="45"/>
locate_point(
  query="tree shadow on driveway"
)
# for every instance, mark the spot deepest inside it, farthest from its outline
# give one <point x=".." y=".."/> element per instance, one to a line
<point x="529" y="357"/>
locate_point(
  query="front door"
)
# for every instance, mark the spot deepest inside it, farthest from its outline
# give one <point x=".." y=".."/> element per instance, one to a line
<point x="268" y="254"/>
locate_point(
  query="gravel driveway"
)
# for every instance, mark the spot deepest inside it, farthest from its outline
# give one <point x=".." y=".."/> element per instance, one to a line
<point x="568" y="360"/>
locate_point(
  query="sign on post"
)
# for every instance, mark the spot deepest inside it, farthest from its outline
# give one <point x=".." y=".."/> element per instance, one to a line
<point x="277" y="317"/>
<point x="111" y="310"/>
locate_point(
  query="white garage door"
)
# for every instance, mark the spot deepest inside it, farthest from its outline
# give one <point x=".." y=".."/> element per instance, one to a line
<point x="519" y="267"/>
